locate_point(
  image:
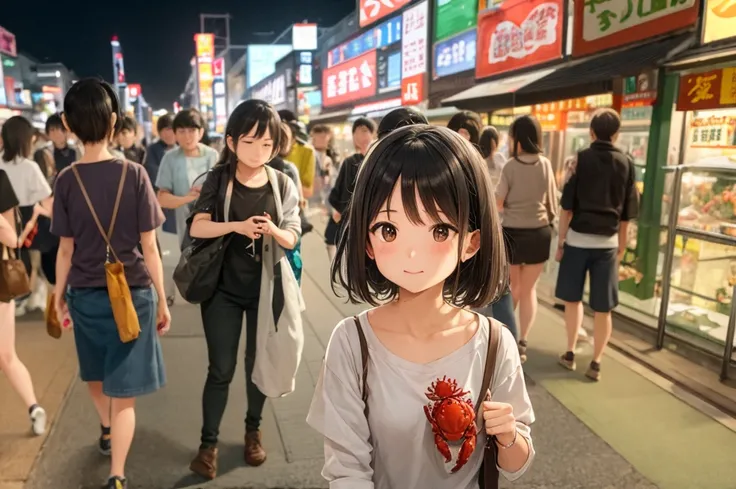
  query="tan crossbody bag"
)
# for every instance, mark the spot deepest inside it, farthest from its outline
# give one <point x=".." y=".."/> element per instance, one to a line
<point x="121" y="301"/>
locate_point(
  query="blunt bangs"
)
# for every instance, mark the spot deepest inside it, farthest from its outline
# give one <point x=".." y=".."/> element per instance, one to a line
<point x="448" y="175"/>
<point x="252" y="113"/>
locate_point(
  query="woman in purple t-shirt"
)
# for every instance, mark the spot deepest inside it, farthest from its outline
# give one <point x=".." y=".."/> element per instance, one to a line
<point x="116" y="372"/>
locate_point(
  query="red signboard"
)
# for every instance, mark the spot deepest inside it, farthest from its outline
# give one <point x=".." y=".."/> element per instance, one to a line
<point x="134" y="90"/>
<point x="7" y="43"/>
<point x="412" y="90"/>
<point x="605" y="24"/>
<point x="517" y="35"/>
<point x="373" y="10"/>
<point x="218" y="67"/>
<point x="349" y="81"/>
<point x="715" y="89"/>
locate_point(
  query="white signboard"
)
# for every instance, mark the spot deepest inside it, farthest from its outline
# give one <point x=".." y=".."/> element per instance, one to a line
<point x="273" y="92"/>
<point x="304" y="37"/>
<point x="414" y="41"/>
<point x="604" y="18"/>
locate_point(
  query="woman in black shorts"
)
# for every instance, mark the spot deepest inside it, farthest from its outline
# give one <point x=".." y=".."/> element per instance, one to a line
<point x="527" y="196"/>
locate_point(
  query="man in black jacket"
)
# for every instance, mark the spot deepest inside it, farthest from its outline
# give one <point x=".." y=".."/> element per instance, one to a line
<point x="364" y="132"/>
<point x="598" y="201"/>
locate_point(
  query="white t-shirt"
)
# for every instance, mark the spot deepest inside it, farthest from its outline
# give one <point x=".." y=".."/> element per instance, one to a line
<point x="29" y="184"/>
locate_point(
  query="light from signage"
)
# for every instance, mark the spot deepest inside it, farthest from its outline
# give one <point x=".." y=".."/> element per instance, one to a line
<point x="382" y="35"/>
<point x="205" y="51"/>
<point x="218" y="67"/>
<point x="261" y="60"/>
<point x="7" y="43"/>
<point x="305" y="58"/>
<point x="273" y="91"/>
<point x="372" y="10"/>
<point x="305" y="74"/>
<point x="414" y="41"/>
<point x="304" y="37"/>
<point x="349" y="81"/>
<point x="455" y="55"/>
<point x="134" y="90"/>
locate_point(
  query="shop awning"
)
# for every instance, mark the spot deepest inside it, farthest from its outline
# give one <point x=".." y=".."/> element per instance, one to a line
<point x="702" y="56"/>
<point x="496" y="93"/>
<point x="579" y="78"/>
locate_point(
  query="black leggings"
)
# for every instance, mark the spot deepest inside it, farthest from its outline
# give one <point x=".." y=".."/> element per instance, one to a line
<point x="222" y="316"/>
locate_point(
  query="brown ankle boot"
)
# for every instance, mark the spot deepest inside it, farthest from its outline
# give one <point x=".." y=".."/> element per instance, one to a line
<point x="205" y="463"/>
<point x="254" y="453"/>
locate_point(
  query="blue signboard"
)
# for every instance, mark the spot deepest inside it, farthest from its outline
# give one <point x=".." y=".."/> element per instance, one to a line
<point x="454" y="55"/>
<point x="377" y="37"/>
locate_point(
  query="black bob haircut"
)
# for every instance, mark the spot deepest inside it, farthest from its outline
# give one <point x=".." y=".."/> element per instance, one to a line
<point x="88" y="107"/>
<point x="450" y="176"/>
<point x="470" y="121"/>
<point x="166" y="121"/>
<point x="364" y="122"/>
<point x="403" y="116"/>
<point x="252" y="113"/>
<point x="54" y="122"/>
<point x="526" y="133"/>
<point x="188" y="119"/>
<point x="488" y="141"/>
<point x="17" y="135"/>
<point x="605" y="124"/>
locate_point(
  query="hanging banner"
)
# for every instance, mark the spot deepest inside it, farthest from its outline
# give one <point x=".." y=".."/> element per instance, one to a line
<point x="518" y="35"/>
<point x="715" y="89"/>
<point x="219" y="94"/>
<point x="349" y="81"/>
<point x="372" y="10"/>
<point x="205" y="53"/>
<point x="606" y="24"/>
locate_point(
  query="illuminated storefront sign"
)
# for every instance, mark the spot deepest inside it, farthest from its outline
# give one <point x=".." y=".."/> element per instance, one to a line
<point x="518" y="35"/>
<point x="304" y="37"/>
<point x="377" y="37"/>
<point x="7" y="43"/>
<point x="605" y="24"/>
<point x="219" y="94"/>
<point x="371" y="11"/>
<point x="454" y="55"/>
<point x="272" y="91"/>
<point x="720" y="20"/>
<point x="205" y="52"/>
<point x="118" y="68"/>
<point x="134" y="90"/>
<point x="454" y="16"/>
<point x="713" y="89"/>
<point x="414" y="53"/>
<point x="350" y="81"/>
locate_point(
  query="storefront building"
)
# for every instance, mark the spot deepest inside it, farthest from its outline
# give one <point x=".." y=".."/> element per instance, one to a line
<point x="383" y="66"/>
<point x="278" y="89"/>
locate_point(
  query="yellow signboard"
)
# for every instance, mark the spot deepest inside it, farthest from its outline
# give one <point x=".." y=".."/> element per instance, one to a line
<point x="720" y="18"/>
<point x="728" y="86"/>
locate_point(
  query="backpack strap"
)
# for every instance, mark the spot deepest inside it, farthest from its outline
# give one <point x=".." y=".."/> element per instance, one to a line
<point x="494" y="338"/>
<point x="364" y="362"/>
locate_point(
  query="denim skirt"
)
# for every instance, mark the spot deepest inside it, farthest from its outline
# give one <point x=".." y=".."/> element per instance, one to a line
<point x="125" y="369"/>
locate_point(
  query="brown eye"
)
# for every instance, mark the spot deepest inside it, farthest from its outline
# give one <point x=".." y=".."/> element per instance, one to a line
<point x="388" y="233"/>
<point x="441" y="233"/>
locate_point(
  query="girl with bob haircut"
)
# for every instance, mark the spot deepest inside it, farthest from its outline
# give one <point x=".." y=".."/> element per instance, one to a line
<point x="101" y="193"/>
<point x="263" y="222"/>
<point x="423" y="246"/>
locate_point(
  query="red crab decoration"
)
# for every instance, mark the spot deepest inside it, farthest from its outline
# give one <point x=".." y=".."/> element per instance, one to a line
<point x="452" y="419"/>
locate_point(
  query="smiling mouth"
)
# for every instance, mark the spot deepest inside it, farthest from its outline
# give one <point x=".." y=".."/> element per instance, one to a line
<point x="413" y="273"/>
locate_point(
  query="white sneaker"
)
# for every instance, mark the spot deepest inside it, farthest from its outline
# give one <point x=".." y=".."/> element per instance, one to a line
<point x="21" y="308"/>
<point x="38" y="421"/>
<point x="38" y="299"/>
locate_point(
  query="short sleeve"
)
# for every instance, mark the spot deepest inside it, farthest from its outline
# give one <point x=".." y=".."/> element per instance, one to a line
<point x="631" y="202"/>
<point x="60" y="225"/>
<point x="150" y="215"/>
<point x="502" y="189"/>
<point x="337" y="412"/>
<point x="38" y="187"/>
<point x="206" y="203"/>
<point x="165" y="177"/>
<point x="567" y="202"/>
<point x="8" y="199"/>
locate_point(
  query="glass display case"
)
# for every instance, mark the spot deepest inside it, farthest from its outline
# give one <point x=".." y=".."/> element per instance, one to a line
<point x="699" y="272"/>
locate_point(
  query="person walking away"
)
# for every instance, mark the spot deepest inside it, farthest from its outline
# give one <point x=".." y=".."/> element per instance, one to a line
<point x="527" y="196"/>
<point x="116" y="372"/>
<point x="468" y="124"/>
<point x="598" y="201"/>
<point x="503" y="308"/>
<point x="128" y="141"/>
<point x="423" y="247"/>
<point x="181" y="166"/>
<point x="364" y="132"/>
<point x="31" y="188"/>
<point x="15" y="371"/>
<point x="255" y="193"/>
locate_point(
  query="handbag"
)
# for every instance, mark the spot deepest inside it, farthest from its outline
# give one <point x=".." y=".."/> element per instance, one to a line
<point x="198" y="271"/>
<point x="488" y="477"/>
<point x="123" y="310"/>
<point x="14" y="280"/>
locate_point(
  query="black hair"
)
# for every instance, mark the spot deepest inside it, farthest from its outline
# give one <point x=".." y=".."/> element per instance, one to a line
<point x="470" y="121"/>
<point x="252" y="113"/>
<point x="449" y="175"/>
<point x="166" y="121"/>
<point x="403" y="116"/>
<point x="129" y="123"/>
<point x="287" y="115"/>
<point x="488" y="141"/>
<point x="17" y="134"/>
<point x="605" y="124"/>
<point x="188" y="119"/>
<point x="54" y="122"/>
<point x="526" y="132"/>
<point x="364" y="122"/>
<point x="88" y="108"/>
<point x="286" y="137"/>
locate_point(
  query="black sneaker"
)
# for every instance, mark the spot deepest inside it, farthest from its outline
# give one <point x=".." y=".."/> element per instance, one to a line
<point x="522" y="350"/>
<point x="567" y="360"/>
<point x="104" y="445"/>
<point x="594" y="371"/>
<point x="116" y="483"/>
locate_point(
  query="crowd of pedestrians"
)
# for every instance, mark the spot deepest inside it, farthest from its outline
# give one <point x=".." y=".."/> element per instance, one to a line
<point x="445" y="236"/>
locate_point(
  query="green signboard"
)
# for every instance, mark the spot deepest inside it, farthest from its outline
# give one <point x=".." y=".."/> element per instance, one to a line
<point x="454" y="16"/>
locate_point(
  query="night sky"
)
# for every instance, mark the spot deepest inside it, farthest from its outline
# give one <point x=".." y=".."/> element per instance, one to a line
<point x="156" y="35"/>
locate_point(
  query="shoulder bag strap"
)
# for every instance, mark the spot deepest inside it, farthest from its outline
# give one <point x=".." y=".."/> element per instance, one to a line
<point x="108" y="235"/>
<point x="364" y="361"/>
<point x="18" y="225"/>
<point x="494" y="336"/>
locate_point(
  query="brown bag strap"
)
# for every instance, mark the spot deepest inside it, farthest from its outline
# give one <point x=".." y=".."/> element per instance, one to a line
<point x="106" y="236"/>
<point x="494" y="337"/>
<point x="18" y="225"/>
<point x="364" y="360"/>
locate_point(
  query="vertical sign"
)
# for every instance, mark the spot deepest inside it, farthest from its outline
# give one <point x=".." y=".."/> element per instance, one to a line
<point x="205" y="49"/>
<point x="219" y="94"/>
<point x="414" y="53"/>
<point x="118" y="69"/>
<point x="7" y="43"/>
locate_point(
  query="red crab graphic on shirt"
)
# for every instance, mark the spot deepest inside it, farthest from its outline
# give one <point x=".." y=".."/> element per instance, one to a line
<point x="452" y="417"/>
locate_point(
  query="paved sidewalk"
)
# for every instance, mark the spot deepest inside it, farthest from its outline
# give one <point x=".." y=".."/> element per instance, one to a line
<point x="570" y="455"/>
